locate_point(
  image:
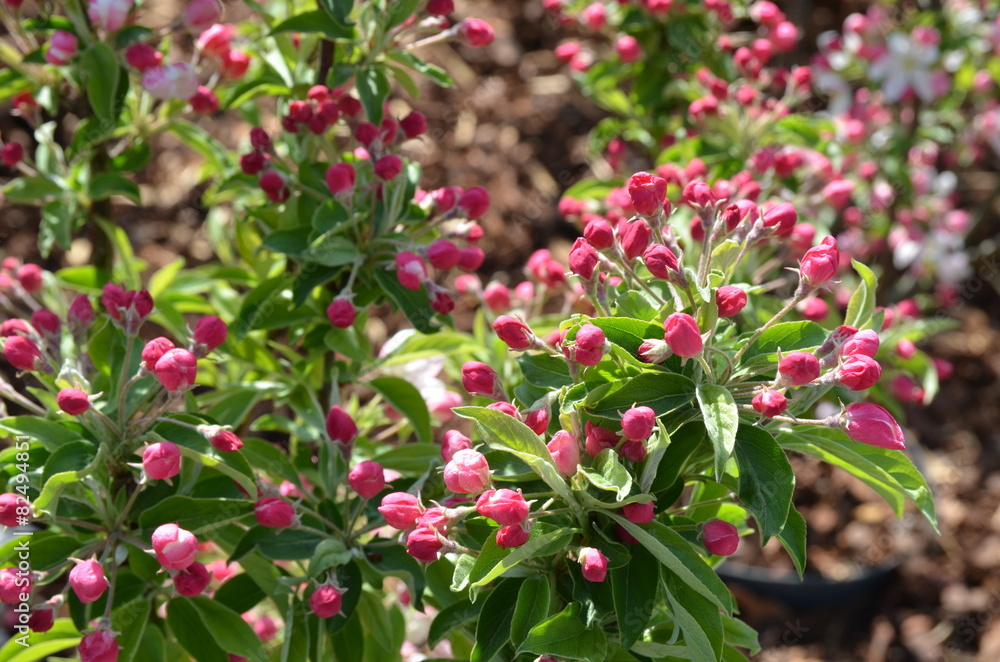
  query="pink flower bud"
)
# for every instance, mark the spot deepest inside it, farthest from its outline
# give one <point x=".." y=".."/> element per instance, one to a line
<point x="340" y="426"/>
<point x="81" y="312"/>
<point x="171" y="81"/>
<point x="14" y="588"/>
<point x="681" y="333"/>
<point x="29" y="275"/>
<point x="400" y="510"/>
<point x="475" y="32"/>
<point x="199" y="15"/>
<point x="648" y="192"/>
<point x="538" y="420"/>
<point x="730" y="300"/>
<point x="341" y="312"/>
<point x="252" y="163"/>
<point x="593" y="564"/>
<point x="176" y="369"/>
<point x="480" y="379"/>
<point x="142" y="57"/>
<point x="589" y="346"/>
<point x="88" y="581"/>
<point x="599" y="233"/>
<point x="45" y="321"/>
<point x="565" y="450"/>
<point x="512" y="536"/>
<point x="10" y="503"/>
<point x="443" y="254"/>
<point x="654" y="351"/>
<point x="109" y="15"/>
<point x="503" y="506"/>
<point x="639" y="513"/>
<point x="62" y="47"/>
<point x="161" y="460"/>
<point x="452" y="442"/>
<point x="583" y="259"/>
<point x="864" y="343"/>
<point x="628" y="49"/>
<point x="598" y="439"/>
<point x="410" y="270"/>
<point x="471" y="258"/>
<point x="388" y="167"/>
<point x="638" y="423"/>
<point x="22" y="353"/>
<point x="98" y="646"/>
<point x="440" y="7"/>
<point x="11" y="154"/>
<point x="225" y="440"/>
<point x="210" y="331"/>
<point x="634" y="451"/>
<point x="72" y="401"/>
<point x="770" y="403"/>
<point x="698" y="195"/>
<point x="274" y="513"/>
<point x="813" y="309"/>
<point x="798" y="368"/>
<point x="175" y="547"/>
<point x="819" y="264"/>
<point x="661" y="261"/>
<point x="467" y="472"/>
<point x="475" y="201"/>
<point x="42" y="619"/>
<point x="720" y="538"/>
<point x="14" y="327"/>
<point x="870" y="424"/>
<point x="193" y="580"/>
<point x="367" y="478"/>
<point x="859" y="372"/>
<point x="514" y="332"/>
<point x="234" y="64"/>
<point x="326" y="601"/>
<point x="441" y="301"/>
<point x="423" y="544"/>
<point x="413" y="125"/>
<point x="782" y="217"/>
<point x="634" y="238"/>
<point x="496" y="296"/>
<point x="204" y="101"/>
<point x="905" y="348"/>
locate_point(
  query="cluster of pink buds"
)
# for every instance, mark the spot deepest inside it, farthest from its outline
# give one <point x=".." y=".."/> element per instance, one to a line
<point x="321" y="109"/>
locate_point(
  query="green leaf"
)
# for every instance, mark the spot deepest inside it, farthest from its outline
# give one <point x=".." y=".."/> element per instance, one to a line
<point x="722" y="417"/>
<point x="494" y="561"/>
<point x="410" y="458"/>
<point x="106" y="184"/>
<point x="232" y="465"/>
<point x="395" y="561"/>
<point x="73" y="456"/>
<point x="506" y="433"/>
<point x="40" y="645"/>
<point x="793" y="539"/>
<point x="660" y="391"/>
<point x="610" y="476"/>
<point x="432" y="71"/>
<point x="407" y="400"/>
<point x="192" y="632"/>
<point x="766" y="479"/>
<point x="49" y="433"/>
<point x="544" y="371"/>
<point x="102" y="74"/>
<point x="788" y="336"/>
<point x="452" y="617"/>
<point x="283" y="545"/>
<point x="130" y="619"/>
<point x="315" y="21"/>
<point x="58" y="219"/>
<point x="888" y="472"/>
<point x="192" y="514"/>
<point x="861" y="306"/>
<point x="200" y="141"/>
<point x="239" y="593"/>
<point x="414" y="304"/>
<point x="293" y="241"/>
<point x="634" y="594"/>
<point x="227" y="631"/>
<point x="30" y="190"/>
<point x="628" y="333"/>
<point x="565" y="636"/>
<point x="679" y="557"/>
<point x="494" y="632"/>
<point x="532" y="608"/>
<point x="373" y="88"/>
<point x="698" y="618"/>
